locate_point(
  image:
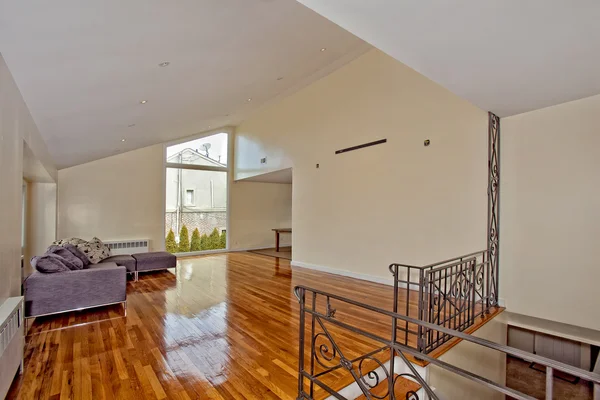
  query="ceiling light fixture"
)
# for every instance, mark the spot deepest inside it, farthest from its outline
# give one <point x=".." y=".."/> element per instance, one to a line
<point x="122" y="140"/>
<point x="164" y="64"/>
<point x="143" y="101"/>
<point x="323" y="48"/>
<point x="250" y="99"/>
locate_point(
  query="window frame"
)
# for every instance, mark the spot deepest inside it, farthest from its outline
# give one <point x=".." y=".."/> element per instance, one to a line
<point x="228" y="169"/>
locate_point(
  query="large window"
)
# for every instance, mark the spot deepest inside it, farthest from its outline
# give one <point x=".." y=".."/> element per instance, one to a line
<point x="196" y="195"/>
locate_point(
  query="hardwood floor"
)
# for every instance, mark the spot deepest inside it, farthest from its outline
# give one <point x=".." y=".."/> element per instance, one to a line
<point x="284" y="252"/>
<point x="532" y="382"/>
<point x="224" y="326"/>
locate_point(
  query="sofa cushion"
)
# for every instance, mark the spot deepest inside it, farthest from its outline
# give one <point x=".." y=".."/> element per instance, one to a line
<point x="95" y="250"/>
<point x="70" y="260"/>
<point x="49" y="263"/>
<point x="124" y="260"/>
<point x="155" y="260"/>
<point x="78" y="253"/>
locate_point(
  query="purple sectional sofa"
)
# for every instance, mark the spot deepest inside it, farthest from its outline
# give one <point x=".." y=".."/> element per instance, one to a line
<point x="143" y="262"/>
<point x="61" y="289"/>
<point x="98" y="285"/>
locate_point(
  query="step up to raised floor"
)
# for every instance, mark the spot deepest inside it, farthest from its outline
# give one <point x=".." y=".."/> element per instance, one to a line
<point x="402" y="387"/>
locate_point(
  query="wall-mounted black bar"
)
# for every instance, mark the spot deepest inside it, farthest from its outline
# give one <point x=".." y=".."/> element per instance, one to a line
<point x="360" y="146"/>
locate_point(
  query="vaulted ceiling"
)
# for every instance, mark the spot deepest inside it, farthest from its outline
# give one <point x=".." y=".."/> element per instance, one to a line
<point x="83" y="67"/>
<point x="505" y="56"/>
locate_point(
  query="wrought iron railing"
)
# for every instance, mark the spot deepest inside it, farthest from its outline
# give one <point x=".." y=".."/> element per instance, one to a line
<point x="337" y="329"/>
<point x="450" y="293"/>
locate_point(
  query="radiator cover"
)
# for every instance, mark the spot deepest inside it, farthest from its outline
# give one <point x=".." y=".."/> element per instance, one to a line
<point x="12" y="341"/>
<point x="118" y="247"/>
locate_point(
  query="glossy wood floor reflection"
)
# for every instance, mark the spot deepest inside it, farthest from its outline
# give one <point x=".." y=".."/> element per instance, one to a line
<point x="222" y="326"/>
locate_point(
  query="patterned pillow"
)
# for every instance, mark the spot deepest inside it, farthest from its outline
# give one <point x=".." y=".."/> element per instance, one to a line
<point x="73" y="241"/>
<point x="95" y="250"/>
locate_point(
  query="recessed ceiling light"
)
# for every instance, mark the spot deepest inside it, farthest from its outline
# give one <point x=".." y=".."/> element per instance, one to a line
<point x="209" y="127"/>
<point x="323" y="48"/>
<point x="122" y="140"/>
<point x="164" y="64"/>
<point x="130" y="125"/>
<point x="250" y="99"/>
<point x="143" y="101"/>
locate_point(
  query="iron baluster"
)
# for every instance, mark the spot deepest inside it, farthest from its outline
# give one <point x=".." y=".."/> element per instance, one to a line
<point x="301" y="345"/>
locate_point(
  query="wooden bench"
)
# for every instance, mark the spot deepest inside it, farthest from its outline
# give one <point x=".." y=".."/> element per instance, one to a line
<point x="279" y="231"/>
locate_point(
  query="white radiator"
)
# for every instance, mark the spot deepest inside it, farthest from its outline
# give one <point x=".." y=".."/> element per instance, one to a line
<point x="118" y="247"/>
<point x="11" y="341"/>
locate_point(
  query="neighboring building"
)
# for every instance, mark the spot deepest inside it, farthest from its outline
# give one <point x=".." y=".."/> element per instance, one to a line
<point x="197" y="199"/>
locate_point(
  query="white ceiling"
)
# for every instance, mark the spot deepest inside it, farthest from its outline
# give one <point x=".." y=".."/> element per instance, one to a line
<point x="505" y="56"/>
<point x="84" y="66"/>
<point x="280" y="176"/>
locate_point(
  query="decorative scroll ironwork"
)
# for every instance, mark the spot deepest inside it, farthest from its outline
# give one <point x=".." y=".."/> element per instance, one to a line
<point x="327" y="355"/>
<point x="451" y="293"/>
<point x="348" y="330"/>
<point x="493" y="226"/>
<point x="452" y="298"/>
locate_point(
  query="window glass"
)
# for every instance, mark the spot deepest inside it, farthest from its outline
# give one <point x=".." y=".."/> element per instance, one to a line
<point x="207" y="151"/>
<point x="195" y="200"/>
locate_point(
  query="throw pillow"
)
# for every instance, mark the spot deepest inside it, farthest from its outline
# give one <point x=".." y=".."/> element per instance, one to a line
<point x="95" y="250"/>
<point x="49" y="263"/>
<point x="73" y="241"/>
<point x="70" y="260"/>
<point x="78" y="253"/>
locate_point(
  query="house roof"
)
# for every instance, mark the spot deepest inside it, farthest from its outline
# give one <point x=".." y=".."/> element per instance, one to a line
<point x="189" y="154"/>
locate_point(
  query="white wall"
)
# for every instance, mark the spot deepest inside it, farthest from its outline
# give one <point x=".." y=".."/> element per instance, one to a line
<point x="256" y="208"/>
<point x="397" y="202"/>
<point x="16" y="126"/>
<point x="41" y="219"/>
<point x="119" y="197"/>
<point x="550" y="213"/>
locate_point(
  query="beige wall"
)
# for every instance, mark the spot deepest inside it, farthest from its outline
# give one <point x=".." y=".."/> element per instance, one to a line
<point x="488" y="363"/>
<point x="41" y="219"/>
<point x="256" y="208"/>
<point x="550" y="213"/>
<point x="119" y="197"/>
<point x="397" y="202"/>
<point x="16" y="126"/>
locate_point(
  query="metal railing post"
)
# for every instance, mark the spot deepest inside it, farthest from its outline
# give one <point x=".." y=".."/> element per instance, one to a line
<point x="394" y="330"/>
<point x="549" y="382"/>
<point x="302" y="298"/>
<point x="474" y="298"/>
<point x="488" y="266"/>
<point x="421" y="310"/>
<point x="312" y="344"/>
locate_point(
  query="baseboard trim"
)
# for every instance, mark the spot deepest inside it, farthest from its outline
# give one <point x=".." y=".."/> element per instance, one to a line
<point x="364" y="277"/>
